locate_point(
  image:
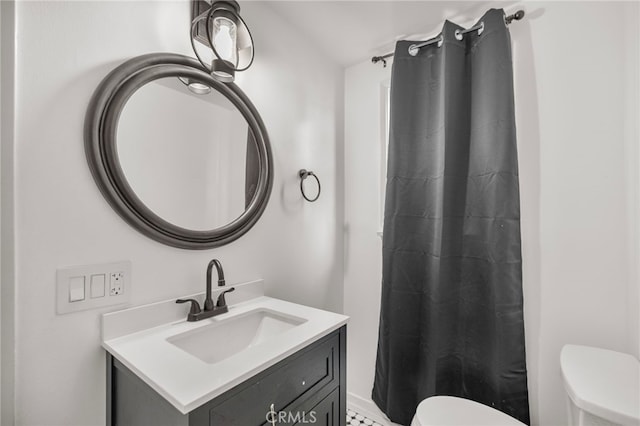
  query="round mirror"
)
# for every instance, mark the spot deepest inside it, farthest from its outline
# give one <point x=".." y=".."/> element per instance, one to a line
<point x="179" y="149"/>
<point x="189" y="168"/>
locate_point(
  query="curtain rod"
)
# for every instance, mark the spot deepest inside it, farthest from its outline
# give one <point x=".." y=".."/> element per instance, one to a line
<point x="415" y="48"/>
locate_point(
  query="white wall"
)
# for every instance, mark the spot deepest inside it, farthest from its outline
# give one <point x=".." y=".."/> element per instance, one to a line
<point x="7" y="259"/>
<point x="63" y="51"/>
<point x="364" y="85"/>
<point x="577" y="121"/>
<point x="632" y="154"/>
<point x="573" y="101"/>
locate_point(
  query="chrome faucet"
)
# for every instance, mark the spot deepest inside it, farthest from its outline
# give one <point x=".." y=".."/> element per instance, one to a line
<point x="210" y="310"/>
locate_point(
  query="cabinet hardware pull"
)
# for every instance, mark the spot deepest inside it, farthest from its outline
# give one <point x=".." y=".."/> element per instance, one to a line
<point x="273" y="414"/>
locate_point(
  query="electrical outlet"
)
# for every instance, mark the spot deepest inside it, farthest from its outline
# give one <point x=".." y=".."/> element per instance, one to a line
<point x="116" y="283"/>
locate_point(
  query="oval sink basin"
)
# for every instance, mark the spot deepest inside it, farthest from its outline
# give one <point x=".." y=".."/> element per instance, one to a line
<point x="224" y="338"/>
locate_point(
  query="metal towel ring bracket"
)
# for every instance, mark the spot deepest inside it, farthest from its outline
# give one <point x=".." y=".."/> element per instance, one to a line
<point x="303" y="175"/>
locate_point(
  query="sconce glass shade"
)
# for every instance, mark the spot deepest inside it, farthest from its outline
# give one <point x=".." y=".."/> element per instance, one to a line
<point x="224" y="39"/>
<point x="228" y="38"/>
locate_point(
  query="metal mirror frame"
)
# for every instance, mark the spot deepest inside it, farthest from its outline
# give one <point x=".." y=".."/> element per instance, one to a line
<point x="100" y="132"/>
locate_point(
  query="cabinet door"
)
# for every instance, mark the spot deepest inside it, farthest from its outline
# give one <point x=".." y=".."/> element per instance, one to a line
<point x="326" y="413"/>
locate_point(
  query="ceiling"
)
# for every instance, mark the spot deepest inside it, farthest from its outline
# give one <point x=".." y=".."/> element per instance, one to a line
<point x="349" y="32"/>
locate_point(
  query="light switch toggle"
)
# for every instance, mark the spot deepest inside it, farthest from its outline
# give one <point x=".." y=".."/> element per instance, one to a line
<point x="97" y="285"/>
<point x="76" y="289"/>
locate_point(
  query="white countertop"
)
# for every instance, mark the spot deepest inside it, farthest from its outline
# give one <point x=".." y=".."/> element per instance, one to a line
<point x="188" y="382"/>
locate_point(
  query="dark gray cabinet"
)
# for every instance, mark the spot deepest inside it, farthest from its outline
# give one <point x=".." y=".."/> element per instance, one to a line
<point x="308" y="387"/>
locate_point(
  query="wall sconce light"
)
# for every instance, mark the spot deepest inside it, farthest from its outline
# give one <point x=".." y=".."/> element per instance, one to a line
<point x="217" y="25"/>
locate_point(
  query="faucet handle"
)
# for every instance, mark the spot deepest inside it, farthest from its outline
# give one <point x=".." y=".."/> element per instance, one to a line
<point x="221" y="300"/>
<point x="195" y="306"/>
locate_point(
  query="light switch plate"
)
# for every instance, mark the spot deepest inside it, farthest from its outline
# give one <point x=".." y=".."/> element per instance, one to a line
<point x="77" y="288"/>
<point x="115" y="279"/>
<point x="98" y="284"/>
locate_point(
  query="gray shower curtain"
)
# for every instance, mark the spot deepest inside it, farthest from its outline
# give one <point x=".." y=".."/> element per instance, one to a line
<point x="451" y="318"/>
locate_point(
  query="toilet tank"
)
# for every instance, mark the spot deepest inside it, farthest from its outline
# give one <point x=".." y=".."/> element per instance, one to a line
<point x="603" y="386"/>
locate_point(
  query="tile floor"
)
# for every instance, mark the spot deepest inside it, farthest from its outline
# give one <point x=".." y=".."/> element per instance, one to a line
<point x="355" y="419"/>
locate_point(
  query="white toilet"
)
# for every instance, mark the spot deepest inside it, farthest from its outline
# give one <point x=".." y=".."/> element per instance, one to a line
<point x="453" y="411"/>
<point x="603" y="386"/>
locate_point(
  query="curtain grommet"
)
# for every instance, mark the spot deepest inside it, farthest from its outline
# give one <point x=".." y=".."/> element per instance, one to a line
<point x="458" y="35"/>
<point x="413" y="50"/>
<point x="481" y="29"/>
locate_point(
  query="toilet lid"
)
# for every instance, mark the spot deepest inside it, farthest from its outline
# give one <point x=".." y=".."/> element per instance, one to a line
<point x="453" y="411"/>
<point x="602" y="382"/>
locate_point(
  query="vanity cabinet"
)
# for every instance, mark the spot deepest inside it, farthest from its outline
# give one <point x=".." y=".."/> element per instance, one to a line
<point x="307" y="387"/>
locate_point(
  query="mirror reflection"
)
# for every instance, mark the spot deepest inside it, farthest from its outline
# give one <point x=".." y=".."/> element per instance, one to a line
<point x="185" y="155"/>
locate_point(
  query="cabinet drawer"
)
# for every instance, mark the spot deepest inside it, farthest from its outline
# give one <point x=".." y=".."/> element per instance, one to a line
<point x="301" y="376"/>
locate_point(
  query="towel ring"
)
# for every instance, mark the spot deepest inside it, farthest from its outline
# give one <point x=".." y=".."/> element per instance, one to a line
<point x="303" y="175"/>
